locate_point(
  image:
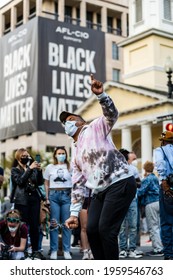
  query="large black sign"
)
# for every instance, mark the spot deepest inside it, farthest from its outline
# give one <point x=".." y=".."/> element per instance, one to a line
<point x="18" y="81"/>
<point x="45" y="68"/>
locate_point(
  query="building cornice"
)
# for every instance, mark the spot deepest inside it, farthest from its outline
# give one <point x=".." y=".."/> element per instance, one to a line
<point x="160" y="99"/>
<point x="145" y="34"/>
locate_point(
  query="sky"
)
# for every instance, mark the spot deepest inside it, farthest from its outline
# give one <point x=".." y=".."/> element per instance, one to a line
<point x="3" y="2"/>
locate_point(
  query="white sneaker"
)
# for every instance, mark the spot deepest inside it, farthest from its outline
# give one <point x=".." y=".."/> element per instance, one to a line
<point x="123" y="254"/>
<point x="138" y="252"/>
<point x="85" y="255"/>
<point x="134" y="254"/>
<point x="53" y="255"/>
<point x="67" y="256"/>
<point x="91" y="257"/>
<point x="29" y="250"/>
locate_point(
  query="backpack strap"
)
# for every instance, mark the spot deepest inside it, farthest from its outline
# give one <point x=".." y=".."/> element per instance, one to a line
<point x="166" y="157"/>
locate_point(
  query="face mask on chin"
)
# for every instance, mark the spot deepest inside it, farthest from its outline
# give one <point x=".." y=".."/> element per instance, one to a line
<point x="70" y="128"/>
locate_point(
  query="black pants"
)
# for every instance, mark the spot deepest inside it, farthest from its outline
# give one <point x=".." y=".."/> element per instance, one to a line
<point x="106" y="213"/>
<point x="34" y="219"/>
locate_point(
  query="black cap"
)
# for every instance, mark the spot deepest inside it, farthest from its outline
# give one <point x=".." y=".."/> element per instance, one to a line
<point x="64" y="115"/>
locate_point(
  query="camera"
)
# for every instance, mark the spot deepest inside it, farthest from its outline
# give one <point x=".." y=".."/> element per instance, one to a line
<point x="5" y="254"/>
<point x="170" y="181"/>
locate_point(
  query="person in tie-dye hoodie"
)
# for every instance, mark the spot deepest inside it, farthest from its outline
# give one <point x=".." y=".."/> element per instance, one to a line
<point x="98" y="165"/>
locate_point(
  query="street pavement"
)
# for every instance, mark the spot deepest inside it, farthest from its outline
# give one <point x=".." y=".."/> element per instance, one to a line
<point x="77" y="254"/>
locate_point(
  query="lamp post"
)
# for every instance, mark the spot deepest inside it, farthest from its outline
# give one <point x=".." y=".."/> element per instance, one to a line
<point x="169" y="70"/>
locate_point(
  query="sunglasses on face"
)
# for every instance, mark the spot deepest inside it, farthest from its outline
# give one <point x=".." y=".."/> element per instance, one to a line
<point x="13" y="220"/>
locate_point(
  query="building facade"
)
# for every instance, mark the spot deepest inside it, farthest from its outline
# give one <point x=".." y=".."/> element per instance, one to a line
<point x="138" y="39"/>
<point x="107" y="17"/>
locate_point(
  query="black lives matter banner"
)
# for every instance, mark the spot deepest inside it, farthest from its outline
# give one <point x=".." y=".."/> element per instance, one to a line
<point x="68" y="54"/>
<point x="18" y="81"/>
<point x="45" y="68"/>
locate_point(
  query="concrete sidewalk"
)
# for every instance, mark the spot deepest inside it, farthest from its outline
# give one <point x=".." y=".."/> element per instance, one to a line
<point x="77" y="254"/>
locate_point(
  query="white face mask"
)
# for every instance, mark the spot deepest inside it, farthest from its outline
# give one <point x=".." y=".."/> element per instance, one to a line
<point x="135" y="162"/>
<point x="12" y="229"/>
<point x="70" y="128"/>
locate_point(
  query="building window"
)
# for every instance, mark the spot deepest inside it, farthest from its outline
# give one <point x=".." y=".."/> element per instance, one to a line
<point x="138" y="4"/>
<point x="168" y="7"/>
<point x="32" y="9"/>
<point x="116" y="75"/>
<point x="68" y="14"/>
<point x="7" y="19"/>
<point x="115" y="51"/>
<point x="89" y="20"/>
<point x="49" y="149"/>
<point x="110" y="24"/>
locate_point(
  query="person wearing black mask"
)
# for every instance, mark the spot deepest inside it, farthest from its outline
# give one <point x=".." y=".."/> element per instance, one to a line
<point x="26" y="176"/>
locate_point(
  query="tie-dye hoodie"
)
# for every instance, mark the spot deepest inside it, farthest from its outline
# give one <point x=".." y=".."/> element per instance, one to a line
<point x="97" y="163"/>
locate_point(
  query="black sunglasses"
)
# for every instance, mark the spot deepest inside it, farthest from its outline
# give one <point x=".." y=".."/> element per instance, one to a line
<point x="13" y="220"/>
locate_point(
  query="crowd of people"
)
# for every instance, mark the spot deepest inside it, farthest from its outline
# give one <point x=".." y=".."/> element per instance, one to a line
<point x="99" y="190"/>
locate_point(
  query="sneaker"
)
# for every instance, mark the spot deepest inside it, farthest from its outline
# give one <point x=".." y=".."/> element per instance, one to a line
<point x="134" y="254"/>
<point x="155" y="254"/>
<point x="53" y="255"/>
<point x="138" y="252"/>
<point x="168" y="258"/>
<point x="85" y="255"/>
<point x="29" y="250"/>
<point x="67" y="256"/>
<point x="41" y="250"/>
<point x="123" y="254"/>
<point x="38" y="256"/>
<point x="91" y="257"/>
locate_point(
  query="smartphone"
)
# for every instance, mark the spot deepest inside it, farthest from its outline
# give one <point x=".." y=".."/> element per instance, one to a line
<point x="38" y="158"/>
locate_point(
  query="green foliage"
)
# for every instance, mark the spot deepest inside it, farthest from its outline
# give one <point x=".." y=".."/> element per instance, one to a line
<point x="46" y="158"/>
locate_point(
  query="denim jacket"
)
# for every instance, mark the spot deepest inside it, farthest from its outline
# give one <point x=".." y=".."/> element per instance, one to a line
<point x="149" y="190"/>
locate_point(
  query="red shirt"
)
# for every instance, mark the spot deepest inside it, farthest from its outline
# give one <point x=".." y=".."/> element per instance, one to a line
<point x="22" y="232"/>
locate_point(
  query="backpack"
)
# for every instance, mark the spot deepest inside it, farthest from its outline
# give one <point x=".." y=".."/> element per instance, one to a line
<point x="44" y="217"/>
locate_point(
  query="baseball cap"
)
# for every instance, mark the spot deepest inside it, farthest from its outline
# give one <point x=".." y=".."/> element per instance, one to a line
<point x="64" y="115"/>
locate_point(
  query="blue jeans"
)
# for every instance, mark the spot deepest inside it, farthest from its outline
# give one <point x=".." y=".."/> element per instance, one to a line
<point x="129" y="228"/>
<point x="60" y="211"/>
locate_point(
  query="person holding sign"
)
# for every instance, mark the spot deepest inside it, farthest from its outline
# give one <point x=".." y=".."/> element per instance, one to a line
<point x="98" y="165"/>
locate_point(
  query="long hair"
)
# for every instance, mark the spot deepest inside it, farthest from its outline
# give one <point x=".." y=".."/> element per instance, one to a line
<point x="55" y="161"/>
<point x="18" y="153"/>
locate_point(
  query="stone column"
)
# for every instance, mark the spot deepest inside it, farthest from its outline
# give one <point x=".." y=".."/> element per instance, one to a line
<point x="124" y="25"/>
<point x="13" y="18"/>
<point x="39" y="4"/>
<point x="25" y="11"/>
<point x="126" y="139"/>
<point x="83" y="13"/>
<point x="104" y="19"/>
<point x="2" y="24"/>
<point x="61" y="10"/>
<point x="146" y="143"/>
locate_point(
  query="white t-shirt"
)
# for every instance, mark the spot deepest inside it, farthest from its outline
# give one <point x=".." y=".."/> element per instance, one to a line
<point x="58" y="176"/>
